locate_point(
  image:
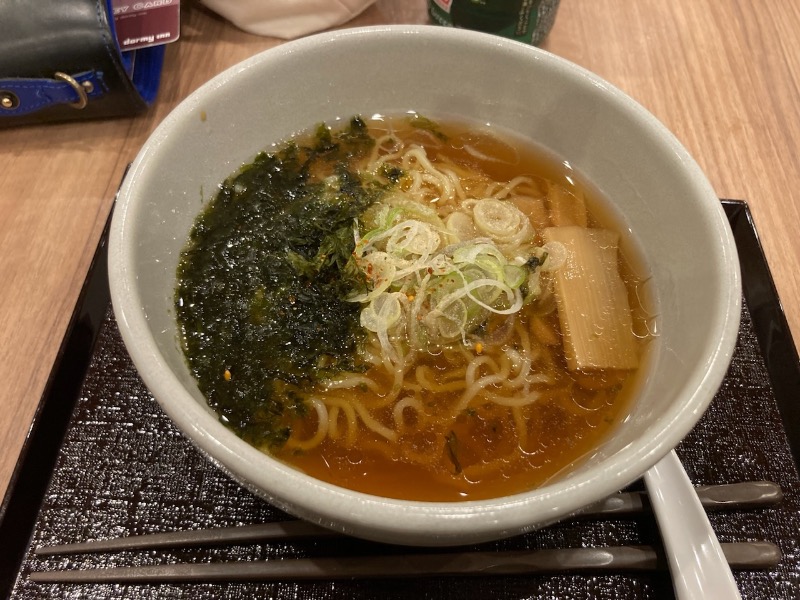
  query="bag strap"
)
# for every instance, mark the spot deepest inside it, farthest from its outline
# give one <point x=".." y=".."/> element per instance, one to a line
<point x="21" y="96"/>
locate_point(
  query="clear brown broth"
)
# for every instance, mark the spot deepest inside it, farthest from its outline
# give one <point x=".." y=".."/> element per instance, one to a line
<point x="568" y="424"/>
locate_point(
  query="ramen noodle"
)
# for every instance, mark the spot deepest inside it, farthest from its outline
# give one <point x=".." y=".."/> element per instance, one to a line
<point x="416" y="309"/>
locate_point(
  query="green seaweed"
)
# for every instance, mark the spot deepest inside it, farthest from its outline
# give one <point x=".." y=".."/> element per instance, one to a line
<point x="261" y="284"/>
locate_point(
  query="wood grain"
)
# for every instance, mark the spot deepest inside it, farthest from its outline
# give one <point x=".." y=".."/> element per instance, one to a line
<point x="723" y="75"/>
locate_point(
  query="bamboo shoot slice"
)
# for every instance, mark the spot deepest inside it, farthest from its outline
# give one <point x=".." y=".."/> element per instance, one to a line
<point x="566" y="207"/>
<point x="592" y="300"/>
<point x="534" y="209"/>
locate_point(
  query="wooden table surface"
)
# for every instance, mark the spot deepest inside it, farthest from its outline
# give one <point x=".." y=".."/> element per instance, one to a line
<point x="723" y="75"/>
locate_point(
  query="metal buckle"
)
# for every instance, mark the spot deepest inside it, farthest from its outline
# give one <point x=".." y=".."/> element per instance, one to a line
<point x="83" y="99"/>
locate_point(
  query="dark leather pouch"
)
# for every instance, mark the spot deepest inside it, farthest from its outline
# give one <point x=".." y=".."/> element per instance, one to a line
<point x="59" y="61"/>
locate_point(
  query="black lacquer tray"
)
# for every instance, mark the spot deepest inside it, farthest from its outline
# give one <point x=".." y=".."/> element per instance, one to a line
<point x="102" y="461"/>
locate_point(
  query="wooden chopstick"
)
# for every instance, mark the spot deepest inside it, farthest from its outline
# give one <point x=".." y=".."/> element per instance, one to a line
<point x="749" y="555"/>
<point x="751" y="494"/>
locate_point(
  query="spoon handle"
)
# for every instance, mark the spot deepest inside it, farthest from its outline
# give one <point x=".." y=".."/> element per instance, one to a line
<point x="696" y="561"/>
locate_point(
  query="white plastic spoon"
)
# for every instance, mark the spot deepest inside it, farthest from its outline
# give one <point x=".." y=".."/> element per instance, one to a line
<point x="698" y="566"/>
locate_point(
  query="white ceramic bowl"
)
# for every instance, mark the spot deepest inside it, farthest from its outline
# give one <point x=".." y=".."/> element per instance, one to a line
<point x="622" y="149"/>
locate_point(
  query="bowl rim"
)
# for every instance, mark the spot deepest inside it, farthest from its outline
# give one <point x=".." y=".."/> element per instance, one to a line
<point x="431" y="523"/>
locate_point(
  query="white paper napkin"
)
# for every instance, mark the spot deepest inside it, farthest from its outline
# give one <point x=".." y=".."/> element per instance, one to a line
<point x="287" y="19"/>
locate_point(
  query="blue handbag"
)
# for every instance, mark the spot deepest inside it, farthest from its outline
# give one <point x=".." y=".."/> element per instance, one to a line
<point x="60" y="60"/>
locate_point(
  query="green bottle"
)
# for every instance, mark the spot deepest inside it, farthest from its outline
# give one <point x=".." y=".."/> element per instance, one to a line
<point x="527" y="21"/>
